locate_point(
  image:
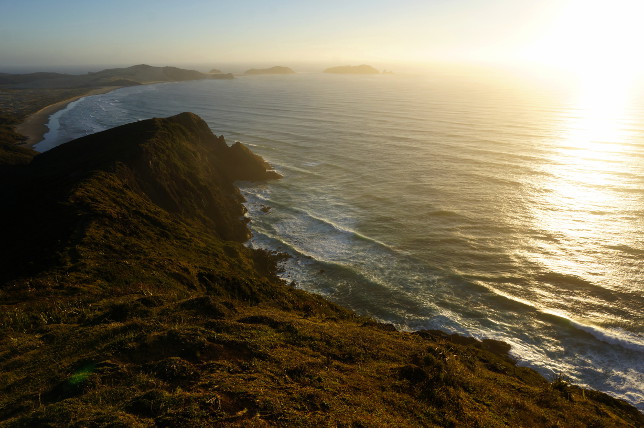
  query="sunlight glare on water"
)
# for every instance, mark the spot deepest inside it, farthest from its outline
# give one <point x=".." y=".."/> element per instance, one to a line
<point x="585" y="187"/>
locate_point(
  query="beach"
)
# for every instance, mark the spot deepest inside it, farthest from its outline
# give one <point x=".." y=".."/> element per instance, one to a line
<point x="34" y="127"/>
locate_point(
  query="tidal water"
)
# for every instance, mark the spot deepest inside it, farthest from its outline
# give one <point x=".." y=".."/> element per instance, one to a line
<point x="494" y="208"/>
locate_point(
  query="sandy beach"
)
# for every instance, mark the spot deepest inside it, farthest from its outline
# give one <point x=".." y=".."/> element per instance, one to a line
<point x="35" y="126"/>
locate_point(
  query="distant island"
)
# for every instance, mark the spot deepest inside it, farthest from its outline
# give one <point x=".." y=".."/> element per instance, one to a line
<point x="271" y="70"/>
<point x="215" y="71"/>
<point x="352" y="69"/>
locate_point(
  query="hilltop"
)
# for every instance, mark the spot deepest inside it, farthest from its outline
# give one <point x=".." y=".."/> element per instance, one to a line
<point x="127" y="298"/>
<point x="352" y="69"/>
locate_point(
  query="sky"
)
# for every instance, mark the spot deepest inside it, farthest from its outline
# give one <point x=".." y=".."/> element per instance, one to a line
<point x="51" y="34"/>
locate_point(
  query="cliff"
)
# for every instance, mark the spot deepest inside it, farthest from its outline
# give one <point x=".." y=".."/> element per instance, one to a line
<point x="271" y="70"/>
<point x="127" y="298"/>
<point x="352" y="69"/>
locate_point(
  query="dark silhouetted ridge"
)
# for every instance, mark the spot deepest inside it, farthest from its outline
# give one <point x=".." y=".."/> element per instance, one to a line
<point x="177" y="164"/>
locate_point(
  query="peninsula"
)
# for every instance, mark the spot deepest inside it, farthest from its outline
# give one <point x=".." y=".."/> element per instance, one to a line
<point x="352" y="69"/>
<point x="136" y="303"/>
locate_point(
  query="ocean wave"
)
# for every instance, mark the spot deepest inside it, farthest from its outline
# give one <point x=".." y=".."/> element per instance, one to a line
<point x="293" y="168"/>
<point x="627" y="249"/>
<point x="259" y="199"/>
<point x="342" y="229"/>
<point x="343" y="282"/>
<point x="612" y="336"/>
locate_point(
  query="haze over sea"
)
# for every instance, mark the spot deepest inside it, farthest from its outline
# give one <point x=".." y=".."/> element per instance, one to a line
<point x="492" y="207"/>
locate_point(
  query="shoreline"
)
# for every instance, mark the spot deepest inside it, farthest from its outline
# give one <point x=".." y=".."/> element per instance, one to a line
<point x="34" y="127"/>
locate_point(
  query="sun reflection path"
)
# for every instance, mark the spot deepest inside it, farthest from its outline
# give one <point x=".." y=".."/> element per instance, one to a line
<point x="598" y="128"/>
<point x="581" y="201"/>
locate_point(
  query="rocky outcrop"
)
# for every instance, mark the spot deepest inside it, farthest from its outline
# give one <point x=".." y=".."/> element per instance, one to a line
<point x="246" y="165"/>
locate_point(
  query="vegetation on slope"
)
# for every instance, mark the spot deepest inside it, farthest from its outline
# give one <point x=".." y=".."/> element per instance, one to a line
<point x="11" y="153"/>
<point x="127" y="298"/>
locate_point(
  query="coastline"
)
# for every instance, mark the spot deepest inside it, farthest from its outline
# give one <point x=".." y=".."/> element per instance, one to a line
<point x="34" y="127"/>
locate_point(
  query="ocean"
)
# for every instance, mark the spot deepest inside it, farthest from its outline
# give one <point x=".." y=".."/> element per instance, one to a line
<point x="490" y="206"/>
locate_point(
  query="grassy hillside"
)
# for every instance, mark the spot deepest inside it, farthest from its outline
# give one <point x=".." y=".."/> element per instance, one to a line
<point x="127" y="298"/>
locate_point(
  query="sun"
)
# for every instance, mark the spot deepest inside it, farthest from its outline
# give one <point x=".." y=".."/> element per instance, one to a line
<point x="595" y="40"/>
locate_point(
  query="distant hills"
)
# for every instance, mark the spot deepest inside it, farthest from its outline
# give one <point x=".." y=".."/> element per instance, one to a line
<point x="11" y="79"/>
<point x="130" y="76"/>
<point x="352" y="69"/>
<point x="271" y="70"/>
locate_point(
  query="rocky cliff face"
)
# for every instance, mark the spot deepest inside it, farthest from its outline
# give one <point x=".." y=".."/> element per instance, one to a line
<point x="176" y="164"/>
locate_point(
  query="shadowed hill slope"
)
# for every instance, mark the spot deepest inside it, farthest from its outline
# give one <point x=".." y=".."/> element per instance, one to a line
<point x="176" y="165"/>
<point x="128" y="299"/>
